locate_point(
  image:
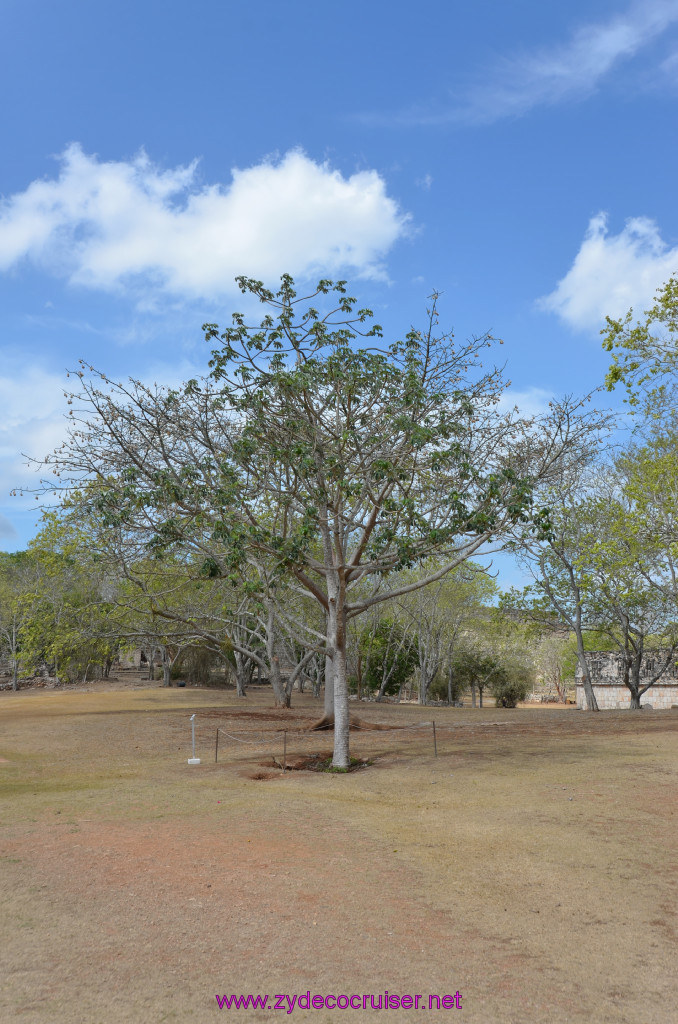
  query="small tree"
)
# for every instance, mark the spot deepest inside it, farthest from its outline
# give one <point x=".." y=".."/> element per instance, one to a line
<point x="608" y="568"/>
<point x="510" y="684"/>
<point x="632" y="578"/>
<point x="438" y="615"/>
<point x="389" y="657"/>
<point x="551" y="655"/>
<point x="472" y="668"/>
<point x="17" y="587"/>
<point x="70" y="622"/>
<point x="559" y="596"/>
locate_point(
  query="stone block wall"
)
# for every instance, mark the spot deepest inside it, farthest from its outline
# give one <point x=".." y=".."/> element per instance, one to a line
<point x="607" y="672"/>
<point x="615" y="696"/>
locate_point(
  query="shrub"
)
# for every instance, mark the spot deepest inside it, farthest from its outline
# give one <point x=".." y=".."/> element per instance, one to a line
<point x="509" y="690"/>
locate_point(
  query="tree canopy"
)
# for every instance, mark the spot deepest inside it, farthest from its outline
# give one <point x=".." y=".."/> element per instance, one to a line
<point x="645" y="353"/>
<point x="310" y="463"/>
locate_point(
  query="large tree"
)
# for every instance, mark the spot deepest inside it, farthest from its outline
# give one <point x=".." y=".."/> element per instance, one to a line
<point x="559" y="596"/>
<point x="629" y="554"/>
<point x="319" y="462"/>
<point x="608" y="567"/>
<point x="645" y="351"/>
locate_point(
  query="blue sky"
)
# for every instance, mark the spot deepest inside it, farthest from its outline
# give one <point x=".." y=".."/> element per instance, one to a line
<point x="519" y="158"/>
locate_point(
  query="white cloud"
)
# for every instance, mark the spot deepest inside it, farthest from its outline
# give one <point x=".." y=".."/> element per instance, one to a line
<point x="612" y="273"/>
<point x="109" y="224"/>
<point x="530" y="401"/>
<point x="512" y="86"/>
<point x="32" y="422"/>
<point x="35" y="421"/>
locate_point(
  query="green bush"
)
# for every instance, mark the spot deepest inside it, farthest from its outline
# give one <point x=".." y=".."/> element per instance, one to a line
<point x="508" y="691"/>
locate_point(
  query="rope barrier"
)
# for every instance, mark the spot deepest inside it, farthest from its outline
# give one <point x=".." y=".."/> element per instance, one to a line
<point x="251" y="743"/>
<point x="316" y="735"/>
<point x="312" y="735"/>
<point x="317" y="732"/>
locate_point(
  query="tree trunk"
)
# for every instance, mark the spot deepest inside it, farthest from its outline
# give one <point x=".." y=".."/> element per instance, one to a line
<point x="281" y="696"/>
<point x="317" y="680"/>
<point x="327" y="720"/>
<point x="591" y="702"/>
<point x="382" y="689"/>
<point x="341" y="755"/>
<point x="589" y="692"/>
<point x="632" y="681"/>
<point x="423" y="686"/>
<point x="241" y="674"/>
<point x="329" y="687"/>
<point x="473" y="695"/>
<point x="337" y="638"/>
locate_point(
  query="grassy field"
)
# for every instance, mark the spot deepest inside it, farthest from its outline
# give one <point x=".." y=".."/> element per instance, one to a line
<point x="530" y="866"/>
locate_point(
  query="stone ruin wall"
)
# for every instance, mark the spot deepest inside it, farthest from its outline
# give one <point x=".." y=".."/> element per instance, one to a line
<point x="607" y="674"/>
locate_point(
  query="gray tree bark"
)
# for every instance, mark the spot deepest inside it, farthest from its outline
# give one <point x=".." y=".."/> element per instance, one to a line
<point x="589" y="693"/>
<point x="336" y="621"/>
<point x="243" y="673"/>
<point x="166" y="668"/>
<point x="329" y="687"/>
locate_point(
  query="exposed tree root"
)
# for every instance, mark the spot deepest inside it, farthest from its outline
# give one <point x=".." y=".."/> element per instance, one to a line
<point x="327" y="722"/>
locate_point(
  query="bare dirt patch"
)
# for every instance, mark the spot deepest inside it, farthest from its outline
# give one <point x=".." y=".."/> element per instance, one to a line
<point x="529" y="865"/>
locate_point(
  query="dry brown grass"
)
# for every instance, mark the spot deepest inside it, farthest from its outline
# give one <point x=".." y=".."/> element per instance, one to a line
<point x="531" y="865"/>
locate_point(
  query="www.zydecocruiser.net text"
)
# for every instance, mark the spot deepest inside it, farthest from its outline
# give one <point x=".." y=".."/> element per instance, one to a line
<point x="383" y="1001"/>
